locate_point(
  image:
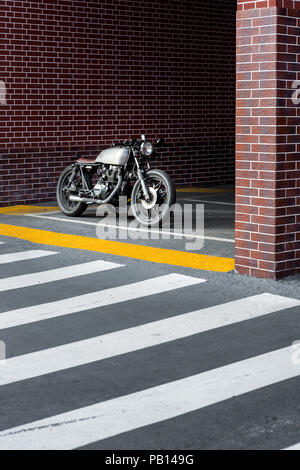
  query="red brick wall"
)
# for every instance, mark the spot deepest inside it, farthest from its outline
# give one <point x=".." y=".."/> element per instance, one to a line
<point x="268" y="142"/>
<point x="253" y="4"/>
<point x="81" y="74"/>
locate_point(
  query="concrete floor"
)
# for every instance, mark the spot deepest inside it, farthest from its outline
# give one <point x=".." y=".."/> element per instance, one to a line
<point x="218" y="224"/>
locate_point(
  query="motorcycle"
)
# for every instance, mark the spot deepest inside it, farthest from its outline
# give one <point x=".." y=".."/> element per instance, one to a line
<point x="122" y="170"/>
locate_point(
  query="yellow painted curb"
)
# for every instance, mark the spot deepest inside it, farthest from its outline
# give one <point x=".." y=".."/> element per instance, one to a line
<point x="204" y="190"/>
<point x="19" y="210"/>
<point x="146" y="253"/>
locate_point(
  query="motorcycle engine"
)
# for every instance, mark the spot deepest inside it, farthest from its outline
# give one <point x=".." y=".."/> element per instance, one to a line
<point x="100" y="190"/>
<point x="107" y="180"/>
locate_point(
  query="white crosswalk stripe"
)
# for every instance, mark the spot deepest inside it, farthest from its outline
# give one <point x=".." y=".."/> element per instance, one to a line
<point x="106" y="419"/>
<point x="28" y="280"/>
<point x="98" y="299"/>
<point x="137" y="338"/>
<point x="294" y="447"/>
<point x="25" y="255"/>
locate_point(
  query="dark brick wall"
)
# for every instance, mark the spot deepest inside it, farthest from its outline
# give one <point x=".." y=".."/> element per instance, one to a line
<point x="82" y="74"/>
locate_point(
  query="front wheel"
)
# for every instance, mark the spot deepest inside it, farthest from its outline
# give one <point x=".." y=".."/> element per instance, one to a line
<point x="162" y="196"/>
<point x="64" y="189"/>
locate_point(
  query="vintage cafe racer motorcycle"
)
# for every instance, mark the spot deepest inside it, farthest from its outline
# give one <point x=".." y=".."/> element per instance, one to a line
<point x="123" y="170"/>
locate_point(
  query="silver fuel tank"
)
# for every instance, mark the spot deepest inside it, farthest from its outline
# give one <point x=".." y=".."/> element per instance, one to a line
<point x="114" y="156"/>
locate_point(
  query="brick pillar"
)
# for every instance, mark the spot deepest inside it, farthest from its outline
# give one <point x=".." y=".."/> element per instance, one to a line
<point x="268" y="139"/>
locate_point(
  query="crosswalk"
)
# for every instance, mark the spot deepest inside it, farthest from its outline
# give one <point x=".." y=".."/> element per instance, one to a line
<point x="105" y="419"/>
<point x="28" y="280"/>
<point x="144" y="336"/>
<point x="24" y="255"/>
<point x="94" y="300"/>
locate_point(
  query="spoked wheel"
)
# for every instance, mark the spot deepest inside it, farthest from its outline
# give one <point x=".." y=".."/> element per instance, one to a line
<point x="65" y="189"/>
<point x="162" y="197"/>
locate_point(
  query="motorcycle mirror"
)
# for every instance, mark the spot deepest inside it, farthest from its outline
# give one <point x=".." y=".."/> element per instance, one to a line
<point x="160" y="142"/>
<point x="143" y="137"/>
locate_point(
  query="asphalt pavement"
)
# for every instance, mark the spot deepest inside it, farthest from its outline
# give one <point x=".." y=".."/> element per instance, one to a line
<point x="110" y="352"/>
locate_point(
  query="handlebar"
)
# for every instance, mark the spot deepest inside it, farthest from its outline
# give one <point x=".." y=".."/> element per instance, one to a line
<point x="137" y="142"/>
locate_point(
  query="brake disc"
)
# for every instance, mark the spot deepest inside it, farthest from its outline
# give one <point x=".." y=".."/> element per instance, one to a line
<point x="151" y="204"/>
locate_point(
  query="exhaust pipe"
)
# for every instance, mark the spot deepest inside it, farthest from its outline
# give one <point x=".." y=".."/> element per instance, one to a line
<point x="99" y="201"/>
<point x="84" y="199"/>
<point x="113" y="193"/>
<point x="76" y="199"/>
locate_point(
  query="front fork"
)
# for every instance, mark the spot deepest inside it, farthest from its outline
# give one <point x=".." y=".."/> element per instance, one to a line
<point x="140" y="173"/>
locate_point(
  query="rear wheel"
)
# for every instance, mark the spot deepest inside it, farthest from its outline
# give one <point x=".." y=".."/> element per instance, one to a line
<point x="65" y="189"/>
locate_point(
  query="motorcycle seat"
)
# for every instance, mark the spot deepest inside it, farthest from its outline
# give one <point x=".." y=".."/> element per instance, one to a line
<point x="86" y="160"/>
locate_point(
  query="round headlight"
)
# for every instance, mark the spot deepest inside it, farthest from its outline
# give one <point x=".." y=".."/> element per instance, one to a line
<point x="147" y="149"/>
